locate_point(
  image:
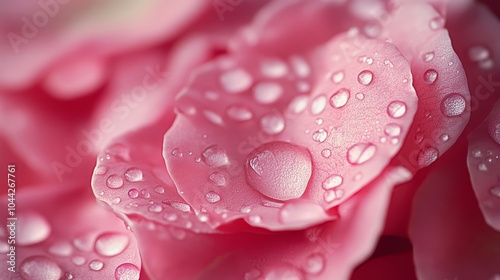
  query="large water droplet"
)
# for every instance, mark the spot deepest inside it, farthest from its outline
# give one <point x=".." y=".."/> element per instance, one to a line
<point x="314" y="264"/>
<point x="114" y="182"/>
<point x="279" y="170"/>
<point x="478" y="53"/>
<point x="32" y="228"/>
<point x="320" y="135"/>
<point x="212" y="197"/>
<point x="361" y="153"/>
<point x="430" y="76"/>
<point x="111" y="244"/>
<point x="274" y="68"/>
<point x="318" y="105"/>
<point x="453" y="105"/>
<point x="133" y="175"/>
<point x="300" y="211"/>
<point x="396" y="109"/>
<point x="96" y="265"/>
<point x="127" y="271"/>
<point x="365" y="77"/>
<point x="272" y="123"/>
<point x="426" y="156"/>
<point x="215" y="156"/>
<point x="236" y="80"/>
<point x="267" y="92"/>
<point x="239" y="113"/>
<point x="61" y="248"/>
<point x="340" y="98"/>
<point x="40" y="267"/>
<point x="392" y="130"/>
<point x="332" y="181"/>
<point x="337" y="77"/>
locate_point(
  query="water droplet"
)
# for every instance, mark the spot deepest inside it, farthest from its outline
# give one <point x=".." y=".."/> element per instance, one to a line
<point x="274" y="68"/>
<point x="155" y="208"/>
<point x="320" y="135"/>
<point x="40" y="267"/>
<point x="78" y="260"/>
<point x="177" y="233"/>
<point x="369" y="60"/>
<point x="453" y="105"/>
<point x="279" y="170"/>
<point x="396" y="109"/>
<point x="319" y="121"/>
<point x="32" y="228"/>
<point x="338" y="77"/>
<point x="211" y="95"/>
<point x="133" y="175"/>
<point x="430" y="76"/>
<point x="218" y="179"/>
<point x="477" y="153"/>
<point x="318" y="105"/>
<point x="284" y="271"/>
<point x="373" y="29"/>
<point x="61" y="248"/>
<point x="181" y="206"/>
<point x="159" y="189"/>
<point x="133" y="193"/>
<point x="482" y="167"/>
<point x="392" y="130"/>
<point x="419" y="137"/>
<point x="212" y="197"/>
<point x="486" y="64"/>
<point x="110" y="244"/>
<point x="96" y="265"/>
<point x="478" y="53"/>
<point x="267" y="92"/>
<point x="213" y="117"/>
<point x="361" y="153"/>
<point x="145" y="193"/>
<point x="215" y="156"/>
<point x="255" y="219"/>
<point x="127" y="271"/>
<point x="300" y="211"/>
<point x="428" y="56"/>
<point x="387" y="62"/>
<point x="116" y="200"/>
<point x="272" y="123"/>
<point x="68" y="276"/>
<point x="331" y="195"/>
<point x="326" y="153"/>
<point x="437" y="23"/>
<point x="101" y="170"/>
<point x="177" y="153"/>
<point x="365" y="77"/>
<point x="245" y="209"/>
<point x="360" y="96"/>
<point x="495" y="190"/>
<point x="314" y="264"/>
<point x="236" y="81"/>
<point x="300" y="66"/>
<point x="426" y="156"/>
<point x="340" y="98"/>
<point x="332" y="181"/>
<point x="444" y="137"/>
<point x="202" y="217"/>
<point x="114" y="182"/>
<point x="239" y="113"/>
<point x="298" y="104"/>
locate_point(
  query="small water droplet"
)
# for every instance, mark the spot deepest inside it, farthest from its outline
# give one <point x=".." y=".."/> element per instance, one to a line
<point x="396" y="109"/>
<point x="314" y="264"/>
<point x="180" y="206"/>
<point x="437" y="23"/>
<point x="236" y="81"/>
<point x="361" y="153"/>
<point x="326" y="153"/>
<point x="245" y="209"/>
<point x="101" y="170"/>
<point x="215" y="156"/>
<point x="419" y="137"/>
<point x="430" y="76"/>
<point x="213" y="117"/>
<point x="145" y="193"/>
<point x="331" y="195"/>
<point x="111" y="244"/>
<point x="171" y="217"/>
<point x="272" y="124"/>
<point x="116" y="200"/>
<point x="444" y="137"/>
<point x="300" y="211"/>
<point x="392" y="130"/>
<point x="32" y="228"/>
<point x="155" y="208"/>
<point x="239" y="113"/>
<point x="428" y="56"/>
<point x="339" y="99"/>
<point x="495" y="190"/>
<point x="159" y="189"/>
<point x="279" y="170"/>
<point x="332" y="181"/>
<point x="274" y="68"/>
<point x="267" y="92"/>
<point x="300" y="66"/>
<point x="426" y="156"/>
<point x="212" y="197"/>
<point x="338" y="77"/>
<point x="218" y="179"/>
<point x="68" y="276"/>
<point x="319" y="121"/>
<point x="387" y="62"/>
<point x="255" y="219"/>
<point x="453" y="105"/>
<point x="298" y="104"/>
<point x="78" y="260"/>
<point x="177" y="153"/>
<point x="202" y="217"/>
<point x="96" y="265"/>
<point x="114" y="182"/>
<point x="365" y="77"/>
<point x="320" y="135"/>
<point x="133" y="175"/>
<point x="478" y="53"/>
<point x="360" y="96"/>
<point x="318" y="105"/>
<point x="486" y="64"/>
<point x="372" y="29"/>
<point x="127" y="271"/>
<point x="40" y="267"/>
<point x="133" y="193"/>
<point x="482" y="167"/>
<point x="476" y="153"/>
<point x="61" y="248"/>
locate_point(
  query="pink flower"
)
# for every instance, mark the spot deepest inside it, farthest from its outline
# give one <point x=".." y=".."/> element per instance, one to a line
<point x="251" y="140"/>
